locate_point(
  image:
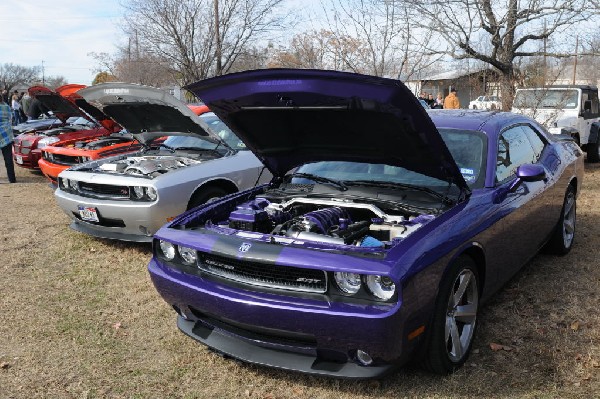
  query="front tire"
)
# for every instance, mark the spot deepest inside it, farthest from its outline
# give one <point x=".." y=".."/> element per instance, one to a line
<point x="204" y="195"/>
<point x="452" y="330"/>
<point x="564" y="232"/>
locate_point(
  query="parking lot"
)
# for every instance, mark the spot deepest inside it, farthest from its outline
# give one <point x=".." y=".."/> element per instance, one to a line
<point x="79" y="318"/>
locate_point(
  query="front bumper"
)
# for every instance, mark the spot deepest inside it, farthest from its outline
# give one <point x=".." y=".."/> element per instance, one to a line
<point x="28" y="161"/>
<point x="287" y="332"/>
<point x="119" y="220"/>
<point x="51" y="170"/>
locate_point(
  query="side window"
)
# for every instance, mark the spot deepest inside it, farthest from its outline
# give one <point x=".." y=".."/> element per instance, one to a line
<point x="514" y="150"/>
<point x="536" y="142"/>
<point x="595" y="106"/>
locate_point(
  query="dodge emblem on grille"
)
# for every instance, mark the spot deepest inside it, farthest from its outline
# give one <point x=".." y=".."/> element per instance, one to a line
<point x="245" y="247"/>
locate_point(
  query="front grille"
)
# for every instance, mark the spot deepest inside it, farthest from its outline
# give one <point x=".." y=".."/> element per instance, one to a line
<point x="104" y="190"/>
<point x="264" y="274"/>
<point x="61" y="159"/>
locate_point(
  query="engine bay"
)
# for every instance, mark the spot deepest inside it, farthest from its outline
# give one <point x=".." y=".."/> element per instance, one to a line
<point x="148" y="166"/>
<point x="97" y="144"/>
<point x="328" y="221"/>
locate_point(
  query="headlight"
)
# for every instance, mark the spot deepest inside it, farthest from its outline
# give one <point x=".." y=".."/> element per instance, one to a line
<point x="74" y="185"/>
<point x="167" y="249"/>
<point x="347" y="282"/>
<point x="47" y="141"/>
<point x="65" y="182"/>
<point x="151" y="193"/>
<point x="138" y="191"/>
<point x="382" y="287"/>
<point x="188" y="255"/>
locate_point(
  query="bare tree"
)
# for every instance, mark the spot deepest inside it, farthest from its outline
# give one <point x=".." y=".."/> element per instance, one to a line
<point x="375" y="37"/>
<point x="322" y="49"/>
<point x="103" y="77"/>
<point x="498" y="32"/>
<point x="12" y="75"/>
<point x="194" y="41"/>
<point x="53" y="82"/>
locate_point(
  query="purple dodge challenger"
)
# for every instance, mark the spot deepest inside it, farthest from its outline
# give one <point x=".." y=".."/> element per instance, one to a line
<point x="384" y="229"/>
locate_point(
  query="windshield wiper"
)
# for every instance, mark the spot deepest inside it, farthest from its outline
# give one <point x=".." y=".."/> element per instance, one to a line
<point x="388" y="184"/>
<point x="320" y="179"/>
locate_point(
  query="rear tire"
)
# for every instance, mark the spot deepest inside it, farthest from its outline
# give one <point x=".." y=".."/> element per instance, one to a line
<point x="204" y="195"/>
<point x="564" y="232"/>
<point x="450" y="337"/>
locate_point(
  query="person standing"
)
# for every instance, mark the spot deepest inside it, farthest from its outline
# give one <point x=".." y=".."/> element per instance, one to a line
<point x="16" y="108"/>
<point x="6" y="139"/>
<point x="439" y="101"/>
<point x="451" y="101"/>
<point x="24" y="100"/>
<point x="36" y="108"/>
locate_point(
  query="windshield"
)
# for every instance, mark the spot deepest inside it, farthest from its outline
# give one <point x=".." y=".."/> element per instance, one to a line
<point x="218" y="127"/>
<point x="467" y="148"/>
<point x="546" y="98"/>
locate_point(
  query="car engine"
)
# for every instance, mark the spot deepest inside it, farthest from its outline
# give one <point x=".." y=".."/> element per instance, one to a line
<point x="150" y="166"/>
<point x="325" y="220"/>
<point x="97" y="144"/>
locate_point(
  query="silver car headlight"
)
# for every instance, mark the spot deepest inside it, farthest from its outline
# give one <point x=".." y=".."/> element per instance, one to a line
<point x="382" y="287"/>
<point x="188" y="255"/>
<point x="47" y="141"/>
<point x="167" y="249"/>
<point x="138" y="191"/>
<point x="347" y="282"/>
<point x="151" y="193"/>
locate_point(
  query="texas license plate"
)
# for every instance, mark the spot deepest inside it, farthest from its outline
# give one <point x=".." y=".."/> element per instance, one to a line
<point x="19" y="159"/>
<point x="88" y="214"/>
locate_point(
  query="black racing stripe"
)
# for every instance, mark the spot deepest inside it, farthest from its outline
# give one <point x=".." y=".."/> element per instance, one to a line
<point x="257" y="251"/>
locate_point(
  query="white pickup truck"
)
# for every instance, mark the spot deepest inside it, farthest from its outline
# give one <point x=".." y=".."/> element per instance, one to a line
<point x="572" y="110"/>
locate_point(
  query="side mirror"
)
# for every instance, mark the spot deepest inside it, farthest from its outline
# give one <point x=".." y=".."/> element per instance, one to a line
<point x="528" y="172"/>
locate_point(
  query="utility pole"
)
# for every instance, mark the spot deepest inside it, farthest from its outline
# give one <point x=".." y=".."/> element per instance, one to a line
<point x="217" y="39"/>
<point x="575" y="62"/>
<point x="545" y="62"/>
<point x="43" y="75"/>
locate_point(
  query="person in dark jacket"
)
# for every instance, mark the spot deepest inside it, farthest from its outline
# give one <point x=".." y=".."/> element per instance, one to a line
<point x="36" y="108"/>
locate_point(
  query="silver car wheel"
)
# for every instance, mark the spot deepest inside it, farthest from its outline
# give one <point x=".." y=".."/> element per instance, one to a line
<point x="461" y="315"/>
<point x="568" y="227"/>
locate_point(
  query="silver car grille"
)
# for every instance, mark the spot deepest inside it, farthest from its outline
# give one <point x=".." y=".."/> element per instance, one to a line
<point x="265" y="274"/>
<point x="107" y="191"/>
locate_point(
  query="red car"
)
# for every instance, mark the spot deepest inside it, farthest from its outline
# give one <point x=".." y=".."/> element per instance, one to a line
<point x="66" y="153"/>
<point x="28" y="146"/>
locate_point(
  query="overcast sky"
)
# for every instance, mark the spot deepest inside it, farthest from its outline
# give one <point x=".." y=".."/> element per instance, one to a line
<point x="60" y="33"/>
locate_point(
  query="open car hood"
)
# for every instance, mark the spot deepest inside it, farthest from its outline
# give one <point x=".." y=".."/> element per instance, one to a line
<point x="56" y="102"/>
<point x="146" y="112"/>
<point x="71" y="93"/>
<point x="292" y="117"/>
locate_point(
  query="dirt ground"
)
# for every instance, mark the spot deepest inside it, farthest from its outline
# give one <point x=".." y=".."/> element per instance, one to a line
<point x="79" y="318"/>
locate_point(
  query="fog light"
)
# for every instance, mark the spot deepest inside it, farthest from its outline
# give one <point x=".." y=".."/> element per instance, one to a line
<point x="167" y="249"/>
<point x="188" y="255"/>
<point x="364" y="358"/>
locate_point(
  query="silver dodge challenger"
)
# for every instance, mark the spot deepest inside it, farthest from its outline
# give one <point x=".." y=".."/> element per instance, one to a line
<point x="186" y="160"/>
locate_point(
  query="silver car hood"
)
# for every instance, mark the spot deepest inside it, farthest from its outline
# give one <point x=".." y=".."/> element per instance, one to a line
<point x="146" y="112"/>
